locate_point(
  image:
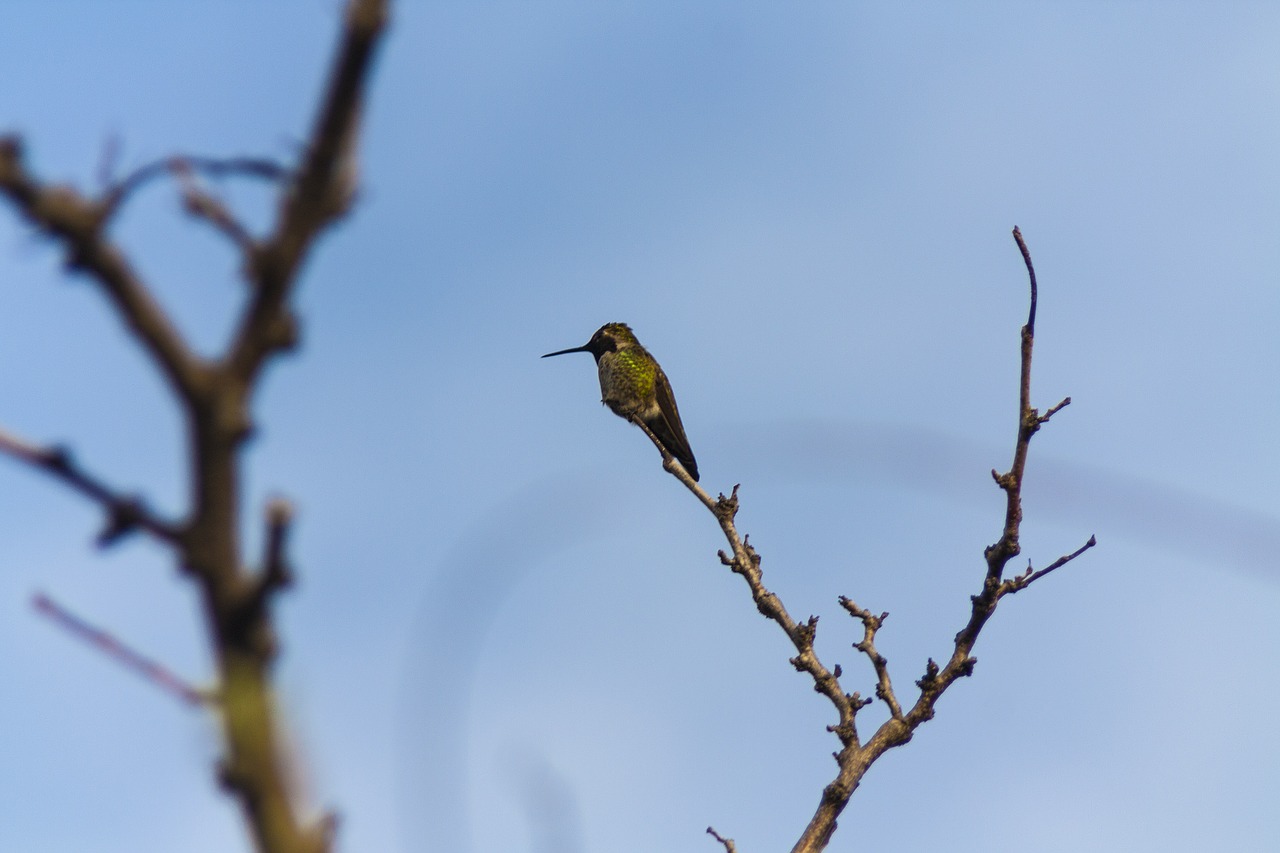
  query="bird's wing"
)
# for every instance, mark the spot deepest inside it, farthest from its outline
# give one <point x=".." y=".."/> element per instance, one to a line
<point x="678" y="443"/>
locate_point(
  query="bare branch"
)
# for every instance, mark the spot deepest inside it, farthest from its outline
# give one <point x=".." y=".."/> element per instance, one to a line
<point x="215" y="396"/>
<point x="124" y="513"/>
<point x="202" y="205"/>
<point x="321" y="193"/>
<point x="117" y="193"/>
<point x="1007" y="547"/>
<point x="1054" y="409"/>
<point x="253" y="768"/>
<point x="744" y="561"/>
<point x="871" y="624"/>
<point x="276" y="573"/>
<point x="729" y="846"/>
<point x="77" y="223"/>
<point x="121" y="653"/>
<point x="110" y="159"/>
<point x="961" y="662"/>
<point x="856" y="756"/>
<point x="1031" y="274"/>
<point x="1024" y="580"/>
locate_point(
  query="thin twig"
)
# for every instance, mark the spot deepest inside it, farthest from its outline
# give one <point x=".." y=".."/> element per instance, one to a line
<point x="110" y="158"/>
<point x="276" y="572"/>
<point x="871" y="624"/>
<point x="1024" y="580"/>
<point x="1054" y="409"/>
<point x="76" y="222"/>
<point x="125" y="513"/>
<point x="122" y="654"/>
<point x="745" y="561"/>
<point x="1031" y="274"/>
<point x="203" y="205"/>
<point x="729" y="846"/>
<point x="118" y="193"/>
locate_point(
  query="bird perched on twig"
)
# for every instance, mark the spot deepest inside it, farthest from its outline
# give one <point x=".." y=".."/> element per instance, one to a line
<point x="633" y="385"/>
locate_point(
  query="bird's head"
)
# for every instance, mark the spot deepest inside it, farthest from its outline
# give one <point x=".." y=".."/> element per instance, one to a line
<point x="610" y="337"/>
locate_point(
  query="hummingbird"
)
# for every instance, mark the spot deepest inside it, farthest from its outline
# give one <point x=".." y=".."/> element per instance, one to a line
<point x="633" y="385"/>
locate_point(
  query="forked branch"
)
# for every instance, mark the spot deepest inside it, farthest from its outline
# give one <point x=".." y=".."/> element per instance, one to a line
<point x="216" y="396"/>
<point x="855" y="755"/>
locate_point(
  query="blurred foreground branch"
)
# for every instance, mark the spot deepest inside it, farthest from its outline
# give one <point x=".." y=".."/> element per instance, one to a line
<point x="216" y="399"/>
<point x="113" y="648"/>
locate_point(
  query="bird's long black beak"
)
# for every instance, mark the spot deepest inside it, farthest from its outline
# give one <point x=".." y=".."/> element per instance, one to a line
<point x="563" y="351"/>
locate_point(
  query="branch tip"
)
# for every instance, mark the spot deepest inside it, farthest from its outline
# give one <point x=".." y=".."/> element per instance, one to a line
<point x="1052" y="410"/>
<point x="1031" y="274"/>
<point x="276" y="573"/>
<point x="1022" y="581"/>
<point x="729" y="846"/>
<point x="279" y="512"/>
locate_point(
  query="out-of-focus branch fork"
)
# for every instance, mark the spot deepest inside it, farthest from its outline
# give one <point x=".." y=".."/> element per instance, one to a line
<point x="216" y="395"/>
<point x="77" y="223"/>
<point x="322" y="191"/>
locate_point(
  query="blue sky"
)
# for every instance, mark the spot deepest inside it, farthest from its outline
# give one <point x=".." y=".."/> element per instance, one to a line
<point x="511" y="630"/>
